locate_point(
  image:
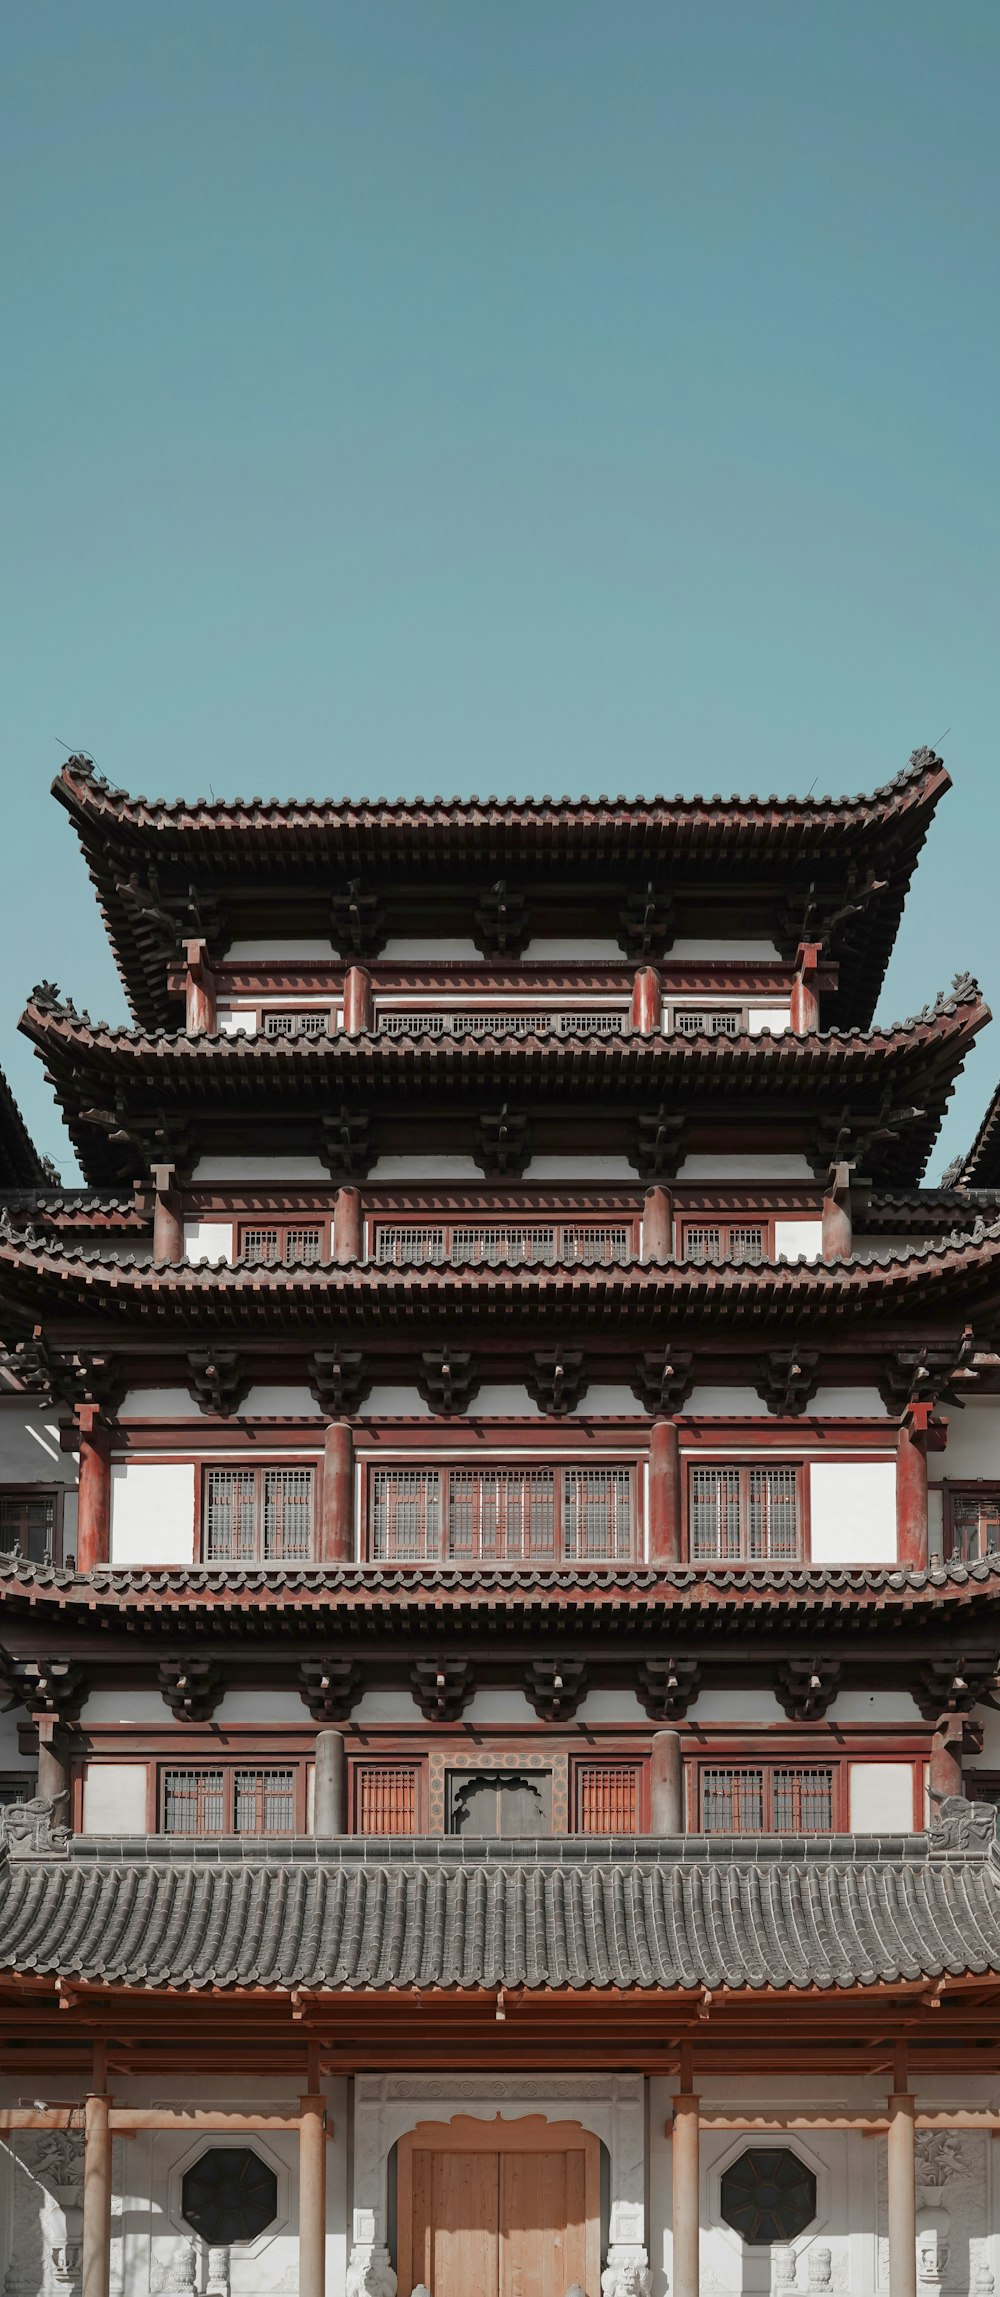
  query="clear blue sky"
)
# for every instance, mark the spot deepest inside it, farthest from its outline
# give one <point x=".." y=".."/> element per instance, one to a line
<point x="498" y="395"/>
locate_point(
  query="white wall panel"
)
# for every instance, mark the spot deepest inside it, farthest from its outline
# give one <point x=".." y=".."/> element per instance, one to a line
<point x="798" y="1239"/>
<point x="726" y="1403"/>
<point x="114" y="1798"/>
<point x="551" y="947"/>
<point x="208" y="1240"/>
<point x="135" y="1704"/>
<point x="503" y="1402"/>
<point x="158" y="1404"/>
<point x="579" y="1168"/>
<point x="152" y="1512"/>
<point x="876" y="1707"/>
<point x="237" y="1024"/>
<point x="279" y="1404"/>
<point x="247" y="1706"/>
<point x="853" y="1511"/>
<point x="973" y="1441"/>
<point x="847" y="1404"/>
<point x="776" y="1018"/>
<point x="750" y="1707"/>
<point x="430" y="949"/>
<point x="248" y="952"/>
<point x="441" y="1167"/>
<point x="712" y="1165"/>
<point x="881" y="1798"/>
<point x="394" y="1404"/>
<point x="260" y="1168"/>
<point x="719" y="951"/>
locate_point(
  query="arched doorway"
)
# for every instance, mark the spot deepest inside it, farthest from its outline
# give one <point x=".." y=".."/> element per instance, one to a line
<point x="502" y="2208"/>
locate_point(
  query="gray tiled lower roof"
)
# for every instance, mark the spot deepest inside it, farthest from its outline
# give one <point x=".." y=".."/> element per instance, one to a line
<point x="634" y="1913"/>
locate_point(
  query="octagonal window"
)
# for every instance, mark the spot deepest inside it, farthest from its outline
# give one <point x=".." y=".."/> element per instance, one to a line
<point x="229" y="2195"/>
<point x="768" y="2195"/>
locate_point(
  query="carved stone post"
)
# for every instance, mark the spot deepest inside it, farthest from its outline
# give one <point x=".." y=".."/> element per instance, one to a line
<point x="201" y="1004"/>
<point x="97" y="2199"/>
<point x="911" y="1487"/>
<point x="658" y="1226"/>
<point x="337" y="1541"/>
<point x="312" y="2197"/>
<point x="666" y="1784"/>
<point x="93" y="1539"/>
<point x="664" y="1493"/>
<point x="359" y="1011"/>
<point x="168" y="1226"/>
<point x="646" y="1001"/>
<point x="805" y="989"/>
<point x="348" y="1227"/>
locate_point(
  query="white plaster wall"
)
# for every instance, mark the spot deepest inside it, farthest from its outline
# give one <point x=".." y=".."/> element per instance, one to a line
<point x="875" y="1707"/>
<point x="134" y="1704"/>
<point x="611" y="1707"/>
<point x="157" y="1404"/>
<point x="737" y="952"/>
<point x="280" y="1404"/>
<point x="425" y="1168"/>
<point x="776" y="1018"/>
<point x="605" y="1402"/>
<point x="387" y="1707"/>
<point x="503" y="1402"/>
<point x="152" y="1512"/>
<point x="431" y="949"/>
<point x="798" y="1239"/>
<point x="847" y="1404"/>
<point x="973" y="1447"/>
<point x="881" y="1797"/>
<point x="853" y="1511"/>
<point x="114" y="1798"/>
<point x="579" y="1168"/>
<point x="250" y="1706"/>
<point x="551" y="946"/>
<point x="208" y="1240"/>
<point x="726" y="1403"/>
<point x="260" y="1168"/>
<point x="714" y="1166"/>
<point x="394" y="1404"/>
<point x="29" y="1445"/>
<point x="262" y="949"/>
<point x="750" y="1707"/>
<point x="237" y="1024"/>
<point x="497" y="1704"/>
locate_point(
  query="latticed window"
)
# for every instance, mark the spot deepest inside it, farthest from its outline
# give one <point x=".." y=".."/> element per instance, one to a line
<point x="767" y="1799"/>
<point x="708" y="1021"/>
<point x="714" y="1242"/>
<point x="228" y="1800"/>
<point x="385" y="1798"/>
<point x="311" y="1024"/>
<point x="509" y="1021"/>
<point x="501" y="1515"/>
<point x="745" y="1514"/>
<point x="258" y="1515"/>
<point x="975" y="1521"/>
<point x="466" y="1246"/>
<point x="607" y="1798"/>
<point x="280" y="1245"/>
<point x="28" y="1523"/>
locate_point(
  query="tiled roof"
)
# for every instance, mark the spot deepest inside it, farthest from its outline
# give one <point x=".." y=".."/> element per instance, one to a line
<point x="871" y="842"/>
<point x="910" y="1068"/>
<point x="625" y="1912"/>
<point x="21" y="1166"/>
<point x="980" y="1169"/>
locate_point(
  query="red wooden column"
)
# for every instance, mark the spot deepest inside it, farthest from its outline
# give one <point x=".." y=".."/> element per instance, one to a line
<point x="93" y="1538"/>
<point x="647" y="1010"/>
<point x="805" y="989"/>
<point x="168" y="1226"/>
<point x="945" y="1769"/>
<point x="658" y="1226"/>
<point x="358" y="1008"/>
<point x="348" y="1227"/>
<point x="337" y="1540"/>
<point x="902" y="2183"/>
<point x="911" y="1487"/>
<point x="666" y="1784"/>
<point x="664" y="1493"/>
<point x="838" y="1222"/>
<point x="685" y="2278"/>
<point x="312" y="2195"/>
<point x="96" y="2260"/>
<point x="201" y="1004"/>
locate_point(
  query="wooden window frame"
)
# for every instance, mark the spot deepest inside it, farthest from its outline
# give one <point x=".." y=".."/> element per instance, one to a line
<point x="744" y="1463"/>
<point x="638" y="1767"/>
<point x="824" y="1758"/>
<point x="56" y="1492"/>
<point x="954" y="1487"/>
<point x="729" y="1007"/>
<point x="726" y="1222"/>
<point x="285" y="1224"/>
<point x="533" y="1223"/>
<point x="161" y="1765"/>
<point x="358" y="1764"/>
<point x="445" y="1467"/>
<point x="259" y="1468"/>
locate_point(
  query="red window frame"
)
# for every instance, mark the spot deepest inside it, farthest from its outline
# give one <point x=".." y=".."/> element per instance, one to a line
<point x="285" y="1226"/>
<point x="229" y="1770"/>
<point x="729" y="1226"/>
<point x="447" y="1229"/>
<point x="259" y="1470"/>
<point x="21" y="1495"/>
<point x="469" y="1543"/>
<point x="745" y="1468"/>
<point x="768" y="1768"/>
<point x="409" y="1772"/>
<point x="589" y="1771"/>
<point x="984" y="1490"/>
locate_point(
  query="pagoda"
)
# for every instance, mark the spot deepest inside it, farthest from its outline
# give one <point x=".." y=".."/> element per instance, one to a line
<point x="500" y="1566"/>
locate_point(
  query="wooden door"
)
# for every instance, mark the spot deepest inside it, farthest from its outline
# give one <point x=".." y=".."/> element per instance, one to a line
<point x="455" y="2225"/>
<point x="543" y="2223"/>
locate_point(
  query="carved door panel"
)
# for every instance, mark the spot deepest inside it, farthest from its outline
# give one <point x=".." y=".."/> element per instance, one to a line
<point x="455" y="2225"/>
<point x="543" y="2223"/>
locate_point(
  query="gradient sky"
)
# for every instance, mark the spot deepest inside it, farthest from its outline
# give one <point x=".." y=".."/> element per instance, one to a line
<point x="498" y="396"/>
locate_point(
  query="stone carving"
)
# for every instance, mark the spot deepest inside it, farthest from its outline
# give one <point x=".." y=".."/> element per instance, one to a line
<point x="421" y="2290"/>
<point x="217" y="2284"/>
<point x="626" y="2274"/>
<point x="369" y="2273"/>
<point x="784" y="2266"/>
<point x="820" y="2268"/>
<point x="59" y="2165"/>
<point x="961" y="1825"/>
<point x="174" y="2272"/>
<point x="27" y="1828"/>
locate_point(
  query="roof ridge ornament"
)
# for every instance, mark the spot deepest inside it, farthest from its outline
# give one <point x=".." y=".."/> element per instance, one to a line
<point x="27" y="1831"/>
<point x="961" y="1825"/>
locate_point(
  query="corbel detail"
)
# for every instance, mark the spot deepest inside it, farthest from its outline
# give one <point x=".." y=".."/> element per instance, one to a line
<point x="348" y="1147"/>
<point x="442" y="1688"/>
<point x="787" y="1380"/>
<point x="557" y="1380"/>
<point x="647" y="924"/>
<point x="657" y="1146"/>
<point x="191" y="1688"/>
<point x="667" y="1688"/>
<point x="447" y="1380"/>
<point x="502" y="1142"/>
<point x="805" y="1688"/>
<point x="330" y="1688"/>
<point x="357" y="922"/>
<point x="339" y="1380"/>
<point x="953" y="1685"/>
<point x="555" y="1688"/>
<point x="501" y="922"/>
<point x="664" y="1382"/>
<point x="53" y="1687"/>
<point x="218" y="1380"/>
